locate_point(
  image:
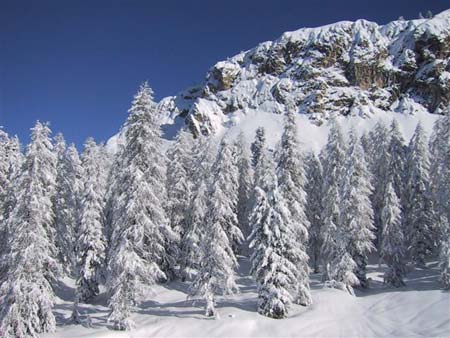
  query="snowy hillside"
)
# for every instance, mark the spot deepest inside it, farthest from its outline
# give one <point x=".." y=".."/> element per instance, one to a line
<point x="418" y="310"/>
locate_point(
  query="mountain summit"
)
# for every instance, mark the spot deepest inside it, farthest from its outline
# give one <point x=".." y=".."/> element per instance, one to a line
<point x="348" y="68"/>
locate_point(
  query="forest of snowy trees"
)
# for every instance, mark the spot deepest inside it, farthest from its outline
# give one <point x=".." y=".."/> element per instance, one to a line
<point x="146" y="215"/>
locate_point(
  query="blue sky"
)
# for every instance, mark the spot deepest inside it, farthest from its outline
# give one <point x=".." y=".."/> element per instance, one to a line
<point x="77" y="63"/>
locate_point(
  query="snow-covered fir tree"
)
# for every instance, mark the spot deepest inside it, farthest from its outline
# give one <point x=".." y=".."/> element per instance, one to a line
<point x="179" y="181"/>
<point x="199" y="171"/>
<point x="4" y="173"/>
<point x="141" y="232"/>
<point x="440" y="164"/>
<point x="419" y="210"/>
<point x="396" y="160"/>
<point x="226" y="184"/>
<point x="444" y="252"/>
<point x="218" y="261"/>
<point x="67" y="201"/>
<point x="332" y="158"/>
<point x="378" y="165"/>
<point x="291" y="184"/>
<point x="26" y="295"/>
<point x="245" y="180"/>
<point x="274" y="240"/>
<point x="110" y="193"/>
<point x="15" y="159"/>
<point x="258" y="144"/>
<point x="440" y="186"/>
<point x="313" y="187"/>
<point x="356" y="221"/>
<point x="5" y="183"/>
<point x="393" y="240"/>
<point x="90" y="243"/>
<point x="11" y="159"/>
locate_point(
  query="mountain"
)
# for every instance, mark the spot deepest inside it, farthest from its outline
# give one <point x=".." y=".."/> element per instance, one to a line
<point x="358" y="69"/>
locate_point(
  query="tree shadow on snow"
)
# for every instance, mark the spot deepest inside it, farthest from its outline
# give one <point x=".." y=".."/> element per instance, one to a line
<point x="174" y="309"/>
<point x="416" y="279"/>
<point x="64" y="291"/>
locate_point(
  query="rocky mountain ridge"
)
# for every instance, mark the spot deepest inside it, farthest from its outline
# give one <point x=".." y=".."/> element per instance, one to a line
<point x="347" y="68"/>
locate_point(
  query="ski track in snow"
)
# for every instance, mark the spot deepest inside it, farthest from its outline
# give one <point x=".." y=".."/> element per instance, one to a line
<point x="420" y="309"/>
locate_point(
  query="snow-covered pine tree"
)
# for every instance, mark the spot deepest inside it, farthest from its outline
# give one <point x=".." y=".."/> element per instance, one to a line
<point x="258" y="144"/>
<point x="218" y="261"/>
<point x="111" y="200"/>
<point x="67" y="201"/>
<point x="90" y="243"/>
<point x="393" y="241"/>
<point x="179" y="181"/>
<point x="226" y="183"/>
<point x="4" y="175"/>
<point x="440" y="164"/>
<point x="245" y="179"/>
<point x="291" y="184"/>
<point x="365" y="143"/>
<point x="138" y="252"/>
<point x="332" y="158"/>
<point x="444" y="252"/>
<point x="26" y="295"/>
<point x="313" y="187"/>
<point x="273" y="238"/>
<point x="58" y="203"/>
<point x="15" y="159"/>
<point x="6" y="183"/>
<point x="378" y="165"/>
<point x="419" y="213"/>
<point x="440" y="186"/>
<point x="356" y="210"/>
<point x="106" y="160"/>
<point x="397" y="160"/>
<point x="199" y="171"/>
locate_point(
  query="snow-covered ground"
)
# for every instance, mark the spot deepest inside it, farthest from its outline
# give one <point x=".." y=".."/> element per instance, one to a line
<point x="419" y="309"/>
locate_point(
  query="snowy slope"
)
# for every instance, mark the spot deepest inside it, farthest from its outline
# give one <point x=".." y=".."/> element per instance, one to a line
<point x="418" y="310"/>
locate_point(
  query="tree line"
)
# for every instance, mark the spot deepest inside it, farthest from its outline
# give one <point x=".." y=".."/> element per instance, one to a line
<point x="144" y="215"/>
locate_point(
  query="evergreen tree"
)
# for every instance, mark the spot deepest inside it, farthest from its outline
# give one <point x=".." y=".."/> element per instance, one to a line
<point x="218" y="261"/>
<point x="179" y="181"/>
<point x="26" y="295"/>
<point x="15" y="159"/>
<point x="440" y="186"/>
<point x="274" y="241"/>
<point x="356" y="210"/>
<point x="393" y="240"/>
<point x="314" y="183"/>
<point x="199" y="171"/>
<point x="245" y="181"/>
<point x="111" y="201"/>
<point x="444" y="253"/>
<point x="138" y="252"/>
<point x="10" y="161"/>
<point x="257" y="145"/>
<point x="90" y="244"/>
<point x="396" y="160"/>
<point x="225" y="178"/>
<point x="378" y="166"/>
<point x="4" y="174"/>
<point x="333" y="156"/>
<point x="291" y="184"/>
<point x="67" y="201"/>
<point x="419" y="213"/>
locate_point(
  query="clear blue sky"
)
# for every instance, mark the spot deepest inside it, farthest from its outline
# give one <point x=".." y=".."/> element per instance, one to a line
<point x="77" y="63"/>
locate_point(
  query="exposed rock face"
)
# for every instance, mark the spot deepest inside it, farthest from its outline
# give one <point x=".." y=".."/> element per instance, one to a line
<point x="345" y="68"/>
